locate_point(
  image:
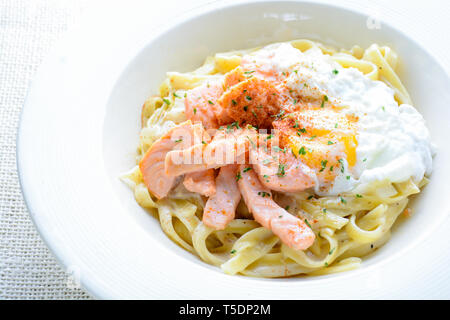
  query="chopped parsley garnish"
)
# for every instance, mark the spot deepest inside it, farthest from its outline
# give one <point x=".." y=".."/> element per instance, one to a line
<point x="347" y="177"/>
<point x="254" y="113"/>
<point x="324" y="165"/>
<point x="251" y="141"/>
<point x="326" y="264"/>
<point x="195" y="110"/>
<point x="336" y="125"/>
<point x="233" y="102"/>
<point x="325" y="99"/>
<point x="343" y="200"/>
<point x="167" y="101"/>
<point x="248" y="72"/>
<point x="342" y="165"/>
<point x="313" y="137"/>
<point x="263" y="194"/>
<point x="331" y="251"/>
<point x="331" y="168"/>
<point x="279" y="115"/>
<point x="310" y="197"/>
<point x="302" y="151"/>
<point x="203" y="142"/>
<point x="278" y="149"/>
<point x="296" y="124"/>
<point x="245" y="108"/>
<point x="248" y="98"/>
<point x="383" y="108"/>
<point x="358" y="195"/>
<point x="234" y="124"/>
<point x="302" y="130"/>
<point x="247" y="169"/>
<point x="330" y="142"/>
<point x="238" y="176"/>
<point x="286" y="208"/>
<point x="335" y="71"/>
<point x="179" y="140"/>
<point x="270" y="136"/>
<point x="281" y="170"/>
<point x="306" y="221"/>
<point x="176" y="96"/>
<point x="233" y="251"/>
<point x="324" y="210"/>
<point x="210" y="102"/>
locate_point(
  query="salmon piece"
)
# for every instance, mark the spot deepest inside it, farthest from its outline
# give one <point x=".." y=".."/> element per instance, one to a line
<point x="291" y="230"/>
<point x="225" y="148"/>
<point x="152" y="165"/>
<point x="281" y="170"/>
<point x="231" y="78"/>
<point x="199" y="104"/>
<point x="220" y="208"/>
<point x="253" y="101"/>
<point x="201" y="182"/>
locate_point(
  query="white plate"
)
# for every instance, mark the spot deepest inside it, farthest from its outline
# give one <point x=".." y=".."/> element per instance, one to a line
<point x="79" y="130"/>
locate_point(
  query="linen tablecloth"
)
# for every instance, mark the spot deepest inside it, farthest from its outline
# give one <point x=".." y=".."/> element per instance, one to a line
<point x="28" y="29"/>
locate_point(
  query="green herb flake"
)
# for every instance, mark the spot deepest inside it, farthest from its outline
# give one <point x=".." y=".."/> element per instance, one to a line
<point x="323" y="164"/>
<point x="302" y="151"/>
<point x="264" y="194"/>
<point x="325" y="99"/>
<point x="306" y="221"/>
<point x="167" y="101"/>
<point x="281" y="170"/>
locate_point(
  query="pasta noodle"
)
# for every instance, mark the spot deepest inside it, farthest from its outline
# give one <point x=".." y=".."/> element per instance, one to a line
<point x="347" y="227"/>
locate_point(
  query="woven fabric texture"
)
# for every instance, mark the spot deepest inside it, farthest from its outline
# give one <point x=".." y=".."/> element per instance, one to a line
<point x="28" y="29"/>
